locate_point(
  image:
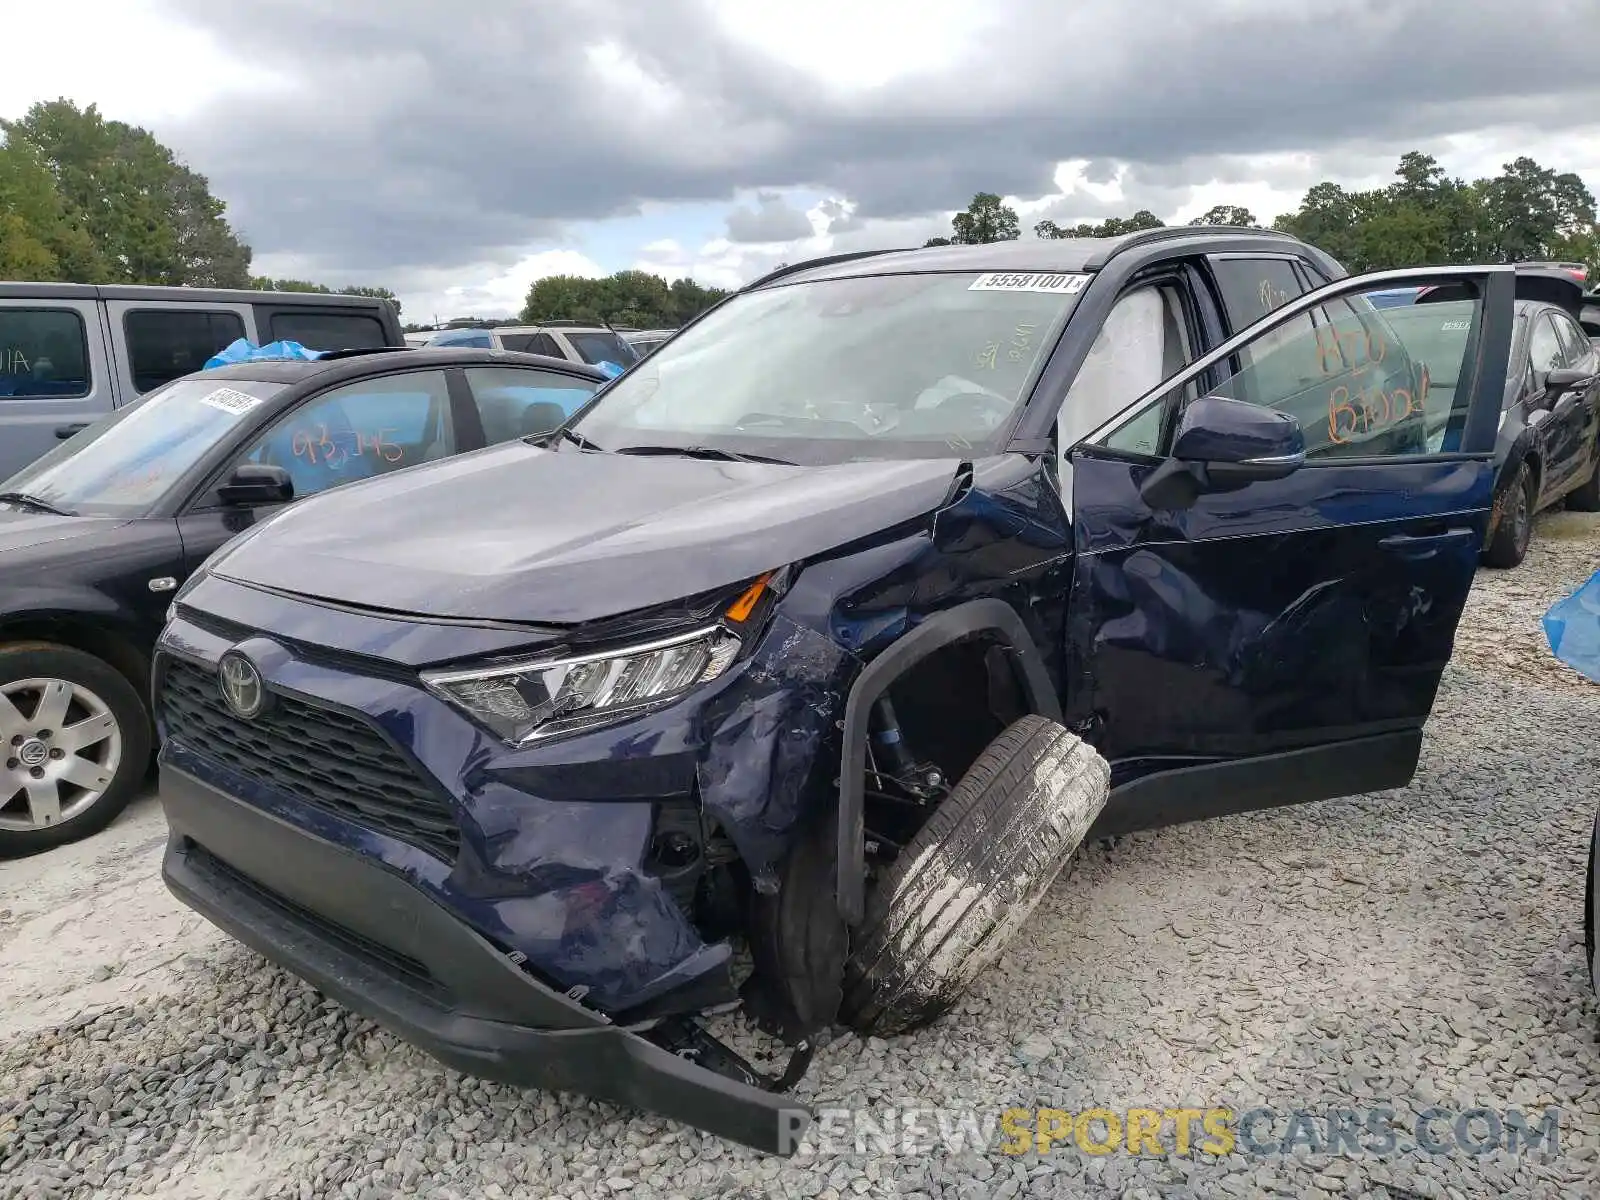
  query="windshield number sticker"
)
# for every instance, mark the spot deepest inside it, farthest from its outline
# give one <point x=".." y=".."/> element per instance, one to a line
<point x="1011" y="281"/>
<point x="230" y="401"/>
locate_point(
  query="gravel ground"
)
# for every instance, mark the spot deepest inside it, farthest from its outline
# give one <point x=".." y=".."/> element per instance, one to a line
<point x="1404" y="949"/>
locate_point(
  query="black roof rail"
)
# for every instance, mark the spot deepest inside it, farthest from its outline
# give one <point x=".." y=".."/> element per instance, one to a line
<point x="1164" y="233"/>
<point x="358" y="351"/>
<point x="826" y="260"/>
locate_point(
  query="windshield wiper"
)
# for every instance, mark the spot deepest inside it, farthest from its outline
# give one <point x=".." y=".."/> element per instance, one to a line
<point x="705" y="452"/>
<point x="576" y="439"/>
<point x="33" y="502"/>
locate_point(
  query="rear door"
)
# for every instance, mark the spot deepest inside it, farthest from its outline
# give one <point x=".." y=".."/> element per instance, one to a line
<point x="517" y="402"/>
<point x="157" y="341"/>
<point x="1283" y="640"/>
<point x="55" y="376"/>
<point x="1575" y="415"/>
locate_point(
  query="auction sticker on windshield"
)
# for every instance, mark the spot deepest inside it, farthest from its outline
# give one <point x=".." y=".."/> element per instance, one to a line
<point x="1013" y="281"/>
<point x="230" y="401"/>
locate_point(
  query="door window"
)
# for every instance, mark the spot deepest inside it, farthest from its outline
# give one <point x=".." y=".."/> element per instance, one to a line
<point x="43" y="352"/>
<point x="1544" y="347"/>
<point x="360" y="431"/>
<point x="1575" y="345"/>
<point x="328" y="331"/>
<point x="1253" y="287"/>
<point x="1361" y="381"/>
<point x="515" y="402"/>
<point x="164" y="344"/>
<point x="1143" y="341"/>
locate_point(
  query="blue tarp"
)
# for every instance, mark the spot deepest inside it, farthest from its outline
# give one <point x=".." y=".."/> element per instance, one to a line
<point x="609" y="367"/>
<point x="1573" y="627"/>
<point x="244" y="350"/>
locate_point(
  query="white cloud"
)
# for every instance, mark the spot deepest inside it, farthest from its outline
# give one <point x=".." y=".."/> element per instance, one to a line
<point x="136" y="64"/>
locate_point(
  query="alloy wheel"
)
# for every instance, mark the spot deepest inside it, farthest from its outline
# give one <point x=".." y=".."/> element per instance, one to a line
<point x="60" y="747"/>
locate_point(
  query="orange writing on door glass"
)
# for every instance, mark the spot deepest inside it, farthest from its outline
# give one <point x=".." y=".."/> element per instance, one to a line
<point x="316" y="446"/>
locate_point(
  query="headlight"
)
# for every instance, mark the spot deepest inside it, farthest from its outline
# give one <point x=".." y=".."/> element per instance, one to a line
<point x="523" y="701"/>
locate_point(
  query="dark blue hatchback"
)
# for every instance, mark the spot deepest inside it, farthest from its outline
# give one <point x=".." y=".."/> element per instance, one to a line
<point x="829" y="630"/>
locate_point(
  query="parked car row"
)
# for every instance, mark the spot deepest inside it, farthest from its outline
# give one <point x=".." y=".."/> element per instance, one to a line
<point x="71" y="353"/>
<point x="867" y="595"/>
<point x="98" y="534"/>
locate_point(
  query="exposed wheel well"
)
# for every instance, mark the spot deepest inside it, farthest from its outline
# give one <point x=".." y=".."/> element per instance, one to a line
<point x="82" y="634"/>
<point x="956" y="701"/>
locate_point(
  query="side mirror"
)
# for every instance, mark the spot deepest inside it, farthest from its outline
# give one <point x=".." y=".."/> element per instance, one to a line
<point x="1222" y="444"/>
<point x="1562" y="380"/>
<point x="252" y="484"/>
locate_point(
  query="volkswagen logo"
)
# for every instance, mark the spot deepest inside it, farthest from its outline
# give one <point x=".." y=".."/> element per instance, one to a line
<point x="242" y="687"/>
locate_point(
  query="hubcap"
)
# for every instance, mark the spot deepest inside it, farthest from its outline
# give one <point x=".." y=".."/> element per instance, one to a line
<point x="60" y="748"/>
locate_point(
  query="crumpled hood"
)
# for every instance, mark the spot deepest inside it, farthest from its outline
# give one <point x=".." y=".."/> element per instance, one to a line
<point x="517" y="533"/>
<point x="23" y="529"/>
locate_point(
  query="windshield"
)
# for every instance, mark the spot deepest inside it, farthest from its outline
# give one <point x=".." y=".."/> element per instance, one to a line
<point x="887" y="366"/>
<point x="124" y="464"/>
<point x="596" y="348"/>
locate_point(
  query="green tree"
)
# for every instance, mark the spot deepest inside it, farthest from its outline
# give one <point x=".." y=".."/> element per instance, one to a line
<point x="41" y="238"/>
<point x="1227" y="214"/>
<point x="1530" y="212"/>
<point x="1110" y="227"/>
<point x="152" y="219"/>
<point x="636" y="298"/>
<point x="986" y="220"/>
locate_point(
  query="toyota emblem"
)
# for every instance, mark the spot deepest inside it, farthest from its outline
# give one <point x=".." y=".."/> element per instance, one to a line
<point x="242" y="686"/>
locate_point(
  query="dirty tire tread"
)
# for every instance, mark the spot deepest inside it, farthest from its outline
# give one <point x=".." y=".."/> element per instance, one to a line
<point x="22" y="660"/>
<point x="1502" y="552"/>
<point x="926" y="935"/>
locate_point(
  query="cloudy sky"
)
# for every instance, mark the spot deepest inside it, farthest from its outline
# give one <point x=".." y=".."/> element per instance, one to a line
<point x="456" y="151"/>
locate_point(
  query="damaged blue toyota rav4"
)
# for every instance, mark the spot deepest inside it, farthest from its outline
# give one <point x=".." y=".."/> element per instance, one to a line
<point x="795" y="666"/>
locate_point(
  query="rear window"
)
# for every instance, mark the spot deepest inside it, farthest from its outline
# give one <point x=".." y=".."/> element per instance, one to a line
<point x="531" y="343"/>
<point x="596" y="347"/>
<point x="329" y="331"/>
<point x="43" y="352"/>
<point x="164" y="345"/>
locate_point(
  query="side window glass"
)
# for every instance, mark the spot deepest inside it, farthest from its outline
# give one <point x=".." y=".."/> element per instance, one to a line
<point x="44" y="352"/>
<point x="514" y="402"/>
<point x="1364" y="381"/>
<point x="328" y="331"/>
<point x="360" y="431"/>
<point x="1574" y="344"/>
<point x="1253" y="287"/>
<point x="543" y="343"/>
<point x="1544" y="347"/>
<point x="163" y="344"/>
<point x="1143" y="341"/>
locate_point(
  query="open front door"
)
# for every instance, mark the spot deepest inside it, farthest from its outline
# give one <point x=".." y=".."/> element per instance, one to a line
<point x="1262" y="609"/>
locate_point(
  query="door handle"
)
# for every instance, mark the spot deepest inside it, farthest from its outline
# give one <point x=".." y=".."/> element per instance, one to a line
<point x="1412" y="544"/>
<point x="65" y="431"/>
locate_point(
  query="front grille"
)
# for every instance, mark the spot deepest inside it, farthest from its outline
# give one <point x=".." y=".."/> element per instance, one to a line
<point x="326" y="759"/>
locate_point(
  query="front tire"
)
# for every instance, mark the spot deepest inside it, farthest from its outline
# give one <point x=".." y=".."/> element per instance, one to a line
<point x="962" y="887"/>
<point x="75" y="742"/>
<point x="1514" y="531"/>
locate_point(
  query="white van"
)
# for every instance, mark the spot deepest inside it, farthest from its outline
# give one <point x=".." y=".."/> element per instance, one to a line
<point x="73" y="352"/>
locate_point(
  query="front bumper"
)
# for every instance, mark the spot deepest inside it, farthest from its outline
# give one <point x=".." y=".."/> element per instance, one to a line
<point x="366" y="937"/>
